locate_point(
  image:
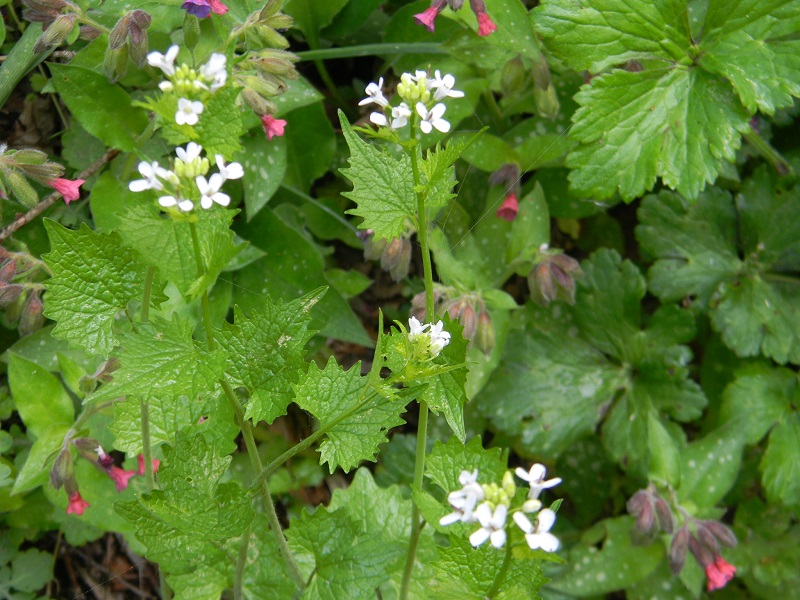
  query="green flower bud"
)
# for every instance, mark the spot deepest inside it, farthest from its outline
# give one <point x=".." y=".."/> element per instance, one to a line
<point x="484" y="336"/>
<point x="29" y="156"/>
<point x="56" y="33"/>
<point x="115" y="63"/>
<point x="20" y="188"/>
<point x="191" y="31"/>
<point x="509" y="487"/>
<point x="546" y="102"/>
<point x="62" y="469"/>
<point x="513" y="77"/>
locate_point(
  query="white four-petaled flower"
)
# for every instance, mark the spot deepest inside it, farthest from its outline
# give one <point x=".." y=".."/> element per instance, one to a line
<point x="183" y="204"/>
<point x="443" y="86"/>
<point x="214" y="71"/>
<point x="538" y="536"/>
<point x="437" y="336"/>
<point x="151" y="172"/>
<point x="535" y="477"/>
<point x="432" y="119"/>
<point x="493" y="524"/>
<point x="464" y="500"/>
<point x="209" y="188"/>
<point x="188" y="112"/>
<point x="230" y="171"/>
<point x="189" y="153"/>
<point x="375" y="95"/>
<point x="165" y="62"/>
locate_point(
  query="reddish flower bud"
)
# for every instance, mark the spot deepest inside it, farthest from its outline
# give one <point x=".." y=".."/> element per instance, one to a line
<point x="702" y="555"/>
<point x="484" y="337"/>
<point x="721" y="532"/>
<point x="32" y="318"/>
<point x="8" y="295"/>
<point x="677" y="550"/>
<point x="666" y="522"/>
<point x="428" y="17"/>
<point x="62" y="469"/>
<point x="396" y="258"/>
<point x="272" y="126"/>
<point x="76" y="504"/>
<point x="140" y="460"/>
<point x="509" y="209"/>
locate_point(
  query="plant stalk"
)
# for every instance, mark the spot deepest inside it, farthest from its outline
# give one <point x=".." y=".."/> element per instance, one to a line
<point x="772" y="156"/>
<point x="501" y="574"/>
<point x="146" y="449"/>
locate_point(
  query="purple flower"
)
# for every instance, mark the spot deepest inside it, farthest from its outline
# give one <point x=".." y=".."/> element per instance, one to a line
<point x="199" y="8"/>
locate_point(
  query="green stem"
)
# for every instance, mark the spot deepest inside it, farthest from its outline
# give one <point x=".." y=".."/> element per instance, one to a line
<point x="422" y="425"/>
<point x="246" y="429"/>
<point x="130" y="318"/>
<point x="241" y="563"/>
<point x="772" y="156"/>
<point x="371" y="50"/>
<point x="501" y="574"/>
<point x="780" y="277"/>
<point x="92" y="23"/>
<point x="146" y="292"/>
<point x="146" y="449"/>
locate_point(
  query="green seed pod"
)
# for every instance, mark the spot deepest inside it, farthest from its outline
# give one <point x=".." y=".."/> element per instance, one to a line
<point x="20" y="188"/>
<point x="29" y="156"/>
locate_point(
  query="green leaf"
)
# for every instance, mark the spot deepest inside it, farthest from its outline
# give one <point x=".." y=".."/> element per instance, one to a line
<point x="264" y="166"/>
<point x="265" y="575"/>
<point x="31" y="570"/>
<point x="625" y="127"/>
<point x="353" y="546"/>
<point x="356" y="417"/>
<point x="185" y="524"/>
<point x="144" y="229"/>
<point x="446" y="461"/>
<point x="266" y="353"/>
<point x="514" y="28"/>
<point x="310" y="17"/>
<point x="38" y="396"/>
<point x="664" y="453"/>
<point x="710" y="466"/>
<point x="616" y="566"/>
<point x="310" y="146"/>
<point x="781" y="471"/>
<point x="751" y="45"/>
<point x="168" y="417"/>
<point x="382" y="186"/>
<point x="94" y="277"/>
<point x="163" y="361"/>
<point x="220" y="126"/>
<point x="103" y="109"/>
<point x="36" y="470"/>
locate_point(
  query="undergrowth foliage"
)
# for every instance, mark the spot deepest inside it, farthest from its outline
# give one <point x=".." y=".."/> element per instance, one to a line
<point x="162" y="332"/>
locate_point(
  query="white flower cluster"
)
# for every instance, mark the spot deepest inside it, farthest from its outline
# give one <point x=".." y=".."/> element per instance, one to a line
<point x="186" y="183"/>
<point x="435" y="334"/>
<point x="423" y="92"/>
<point x="185" y="81"/>
<point x="495" y="503"/>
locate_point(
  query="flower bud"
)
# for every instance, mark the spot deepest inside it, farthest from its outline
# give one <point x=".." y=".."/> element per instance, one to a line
<point x="484" y="337"/>
<point x="721" y="532"/>
<point x="91" y="450"/>
<point x="269" y="9"/>
<point x="677" y="550"/>
<point x="43" y="172"/>
<point x="8" y="270"/>
<point x="509" y="486"/>
<point x="259" y="105"/>
<point x="56" y="33"/>
<point x="140" y="18"/>
<point x="541" y="284"/>
<point x="642" y="507"/>
<point x="87" y="32"/>
<point x="191" y="31"/>
<point x="15" y="303"/>
<point x="20" y="188"/>
<point x="374" y="248"/>
<point x="666" y="521"/>
<point x="512" y="80"/>
<point x="706" y="538"/>
<point x="553" y="277"/>
<point x="8" y="295"/>
<point x="396" y="258"/>
<point x="43" y="5"/>
<point x="29" y="156"/>
<point x="119" y="33"/>
<point x="62" y="469"/>
<point x="32" y="318"/>
<point x="269" y="36"/>
<point x="137" y="45"/>
<point x="115" y="63"/>
<point x="701" y="553"/>
<point x="546" y="101"/>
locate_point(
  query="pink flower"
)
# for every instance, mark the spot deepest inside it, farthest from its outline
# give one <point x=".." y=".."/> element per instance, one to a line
<point x="120" y="477"/>
<point x="485" y="24"/>
<point x="509" y="209"/>
<point x="719" y="573"/>
<point x="77" y="504"/>
<point x="69" y="189"/>
<point x="140" y="470"/>
<point x="217" y="7"/>
<point x="428" y="17"/>
<point x="272" y="126"/>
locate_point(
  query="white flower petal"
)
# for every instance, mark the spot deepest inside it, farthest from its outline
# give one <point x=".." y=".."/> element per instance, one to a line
<point x="167" y="201"/>
<point x="479" y="537"/>
<point x="523" y="522"/>
<point x="498" y="538"/>
<point x="545" y="520"/>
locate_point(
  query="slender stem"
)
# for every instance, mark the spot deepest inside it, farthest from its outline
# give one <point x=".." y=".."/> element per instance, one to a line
<point x="241" y="563"/>
<point x="772" y="156"/>
<point x="781" y="277"/>
<point x="146" y="292"/>
<point x="372" y="50"/>
<point x="146" y="449"/>
<point x="92" y="23"/>
<point x="501" y="574"/>
<point x="201" y="271"/>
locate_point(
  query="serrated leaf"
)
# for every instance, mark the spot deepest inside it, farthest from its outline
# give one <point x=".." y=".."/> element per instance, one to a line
<point x="94" y="278"/>
<point x="438" y="172"/>
<point x="750" y="44"/>
<point x="265" y="576"/>
<point x="356" y="544"/>
<point x="679" y="124"/>
<point x="144" y="229"/>
<point x="220" y="126"/>
<point x="209" y="417"/>
<point x="266" y="353"/>
<point x="161" y="361"/>
<point x="330" y="394"/>
<point x="185" y="524"/>
<point x="382" y="186"/>
<point x="446" y="461"/>
<point x="780" y="466"/>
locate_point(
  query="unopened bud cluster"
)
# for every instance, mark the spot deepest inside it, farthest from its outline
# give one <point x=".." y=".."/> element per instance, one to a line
<point x="553" y="277"/>
<point x="21" y="290"/>
<point x="489" y="504"/>
<point x="468" y="308"/>
<point x="127" y="39"/>
<point x="703" y="538"/>
<point x="395" y="256"/>
<point x="186" y="184"/>
<point x="17" y="166"/>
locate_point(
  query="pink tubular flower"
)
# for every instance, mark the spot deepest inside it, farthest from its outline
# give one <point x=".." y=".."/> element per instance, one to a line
<point x="76" y="504"/>
<point x="140" y="469"/>
<point x="217" y="7"/>
<point x="509" y="209"/>
<point x="120" y="477"/>
<point x="272" y="126"/>
<point x="719" y="573"/>
<point x="429" y="16"/>
<point x="69" y="189"/>
<point x="485" y="25"/>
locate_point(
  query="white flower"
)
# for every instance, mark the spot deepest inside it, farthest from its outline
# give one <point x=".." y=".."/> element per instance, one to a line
<point x="400" y="115"/>
<point x="465" y="499"/>
<point x="416" y="328"/>
<point x="165" y="62"/>
<point x="417" y="75"/>
<point x="214" y="71"/>
<point x="375" y="95"/>
<point x="150" y="172"/>
<point x="439" y="338"/>
<point x="539" y="536"/>
<point x="184" y="205"/>
<point x="535" y="477"/>
<point x="232" y="171"/>
<point x="188" y="112"/>
<point x="191" y="152"/>
<point x="379" y="119"/>
<point x="166" y="86"/>
<point x="443" y="86"/>
<point x="432" y="118"/>
<point x="492" y="525"/>
<point x="210" y="191"/>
